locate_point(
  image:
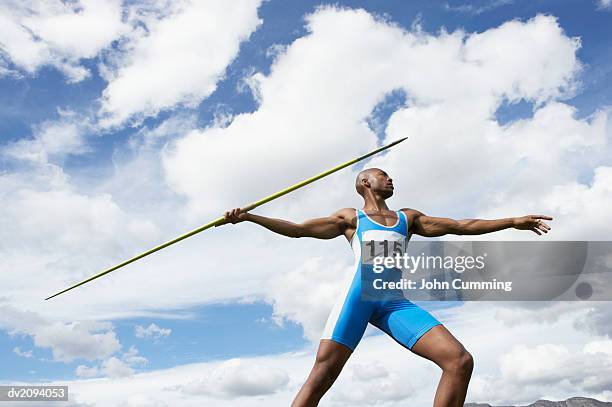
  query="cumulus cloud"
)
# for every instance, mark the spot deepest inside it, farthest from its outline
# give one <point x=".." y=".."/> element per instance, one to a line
<point x="25" y="354"/>
<point x="85" y="372"/>
<point x="235" y="378"/>
<point x="47" y="224"/>
<point x="52" y="140"/>
<point x="142" y="400"/>
<point x="114" y="368"/>
<point x="373" y="384"/>
<point x="517" y="313"/>
<point x="380" y="363"/>
<point x="604" y="4"/>
<point x="597" y="320"/>
<point x="166" y="53"/>
<point x="177" y="60"/>
<point x="151" y="332"/>
<point x="67" y="341"/>
<point x="131" y="357"/>
<point x="287" y="293"/>
<point x="455" y="80"/>
<point x="531" y="370"/>
<point x="57" y="33"/>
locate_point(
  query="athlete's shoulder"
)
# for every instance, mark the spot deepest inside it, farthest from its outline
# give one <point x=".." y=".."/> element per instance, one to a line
<point x="345" y="213"/>
<point x="411" y="211"/>
<point x="347" y="216"/>
<point x="411" y="214"/>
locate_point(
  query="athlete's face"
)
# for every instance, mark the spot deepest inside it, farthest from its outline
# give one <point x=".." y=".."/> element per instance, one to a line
<point x="381" y="183"/>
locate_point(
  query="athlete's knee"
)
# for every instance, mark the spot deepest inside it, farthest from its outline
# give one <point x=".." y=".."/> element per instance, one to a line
<point x="466" y="361"/>
<point x="461" y="361"/>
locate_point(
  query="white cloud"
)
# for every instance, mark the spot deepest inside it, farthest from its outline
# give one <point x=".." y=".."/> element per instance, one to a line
<point x="85" y="372"/>
<point x="286" y="293"/>
<point x="380" y="372"/>
<point x="76" y="340"/>
<point x="235" y="378"/>
<point x="37" y="33"/>
<point x="132" y="358"/>
<point x="177" y="60"/>
<point x="115" y="368"/>
<point x="604" y="4"/>
<point x="151" y="332"/>
<point x="67" y="341"/>
<point x="142" y="400"/>
<point x="24" y="354"/>
<point x="516" y="313"/>
<point x="52" y="140"/>
<point x="372" y="384"/>
<point x="476" y="10"/>
<point x="47" y="224"/>
<point x="538" y="369"/>
<point x="597" y="320"/>
<point x="314" y="103"/>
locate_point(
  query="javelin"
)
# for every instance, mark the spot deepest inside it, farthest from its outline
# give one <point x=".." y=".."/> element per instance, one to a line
<point x="221" y="220"/>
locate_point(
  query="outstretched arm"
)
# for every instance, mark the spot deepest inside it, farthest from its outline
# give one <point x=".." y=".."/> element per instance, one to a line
<point x="430" y="226"/>
<point x="320" y="228"/>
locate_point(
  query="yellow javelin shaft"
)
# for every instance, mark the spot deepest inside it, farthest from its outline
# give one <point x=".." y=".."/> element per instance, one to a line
<point x="221" y="220"/>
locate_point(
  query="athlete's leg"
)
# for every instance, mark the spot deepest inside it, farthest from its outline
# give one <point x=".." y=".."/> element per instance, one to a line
<point x="329" y="362"/>
<point x="418" y="330"/>
<point x="442" y="348"/>
<point x="345" y="326"/>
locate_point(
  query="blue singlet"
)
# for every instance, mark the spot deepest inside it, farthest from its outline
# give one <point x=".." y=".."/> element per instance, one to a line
<point x="403" y="320"/>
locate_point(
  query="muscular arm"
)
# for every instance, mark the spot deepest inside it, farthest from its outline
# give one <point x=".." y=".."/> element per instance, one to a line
<point x="320" y="228"/>
<point x="431" y="226"/>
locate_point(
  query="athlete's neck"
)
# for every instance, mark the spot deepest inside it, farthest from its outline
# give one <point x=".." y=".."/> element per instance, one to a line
<point x="374" y="203"/>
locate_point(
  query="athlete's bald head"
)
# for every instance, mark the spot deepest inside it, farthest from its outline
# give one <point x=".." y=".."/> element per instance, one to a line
<point x="376" y="179"/>
<point x="363" y="175"/>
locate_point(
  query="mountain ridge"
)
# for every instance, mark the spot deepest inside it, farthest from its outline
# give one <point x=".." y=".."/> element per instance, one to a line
<point x="571" y="402"/>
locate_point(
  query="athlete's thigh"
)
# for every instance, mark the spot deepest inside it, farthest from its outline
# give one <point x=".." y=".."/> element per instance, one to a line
<point x="404" y="321"/>
<point x="439" y="346"/>
<point x="349" y="317"/>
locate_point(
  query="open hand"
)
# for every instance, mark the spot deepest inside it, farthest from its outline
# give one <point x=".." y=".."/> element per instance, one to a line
<point x="532" y="222"/>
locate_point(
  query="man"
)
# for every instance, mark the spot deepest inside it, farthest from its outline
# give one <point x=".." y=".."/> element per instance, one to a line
<point x="407" y="323"/>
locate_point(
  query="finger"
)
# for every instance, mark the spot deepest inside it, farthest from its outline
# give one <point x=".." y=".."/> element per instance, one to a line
<point x="535" y="230"/>
<point x="545" y="217"/>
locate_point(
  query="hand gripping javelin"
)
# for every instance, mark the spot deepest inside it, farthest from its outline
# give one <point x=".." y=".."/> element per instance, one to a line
<point x="221" y="220"/>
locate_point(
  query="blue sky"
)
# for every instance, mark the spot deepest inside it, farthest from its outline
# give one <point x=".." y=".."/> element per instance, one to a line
<point x="131" y="173"/>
